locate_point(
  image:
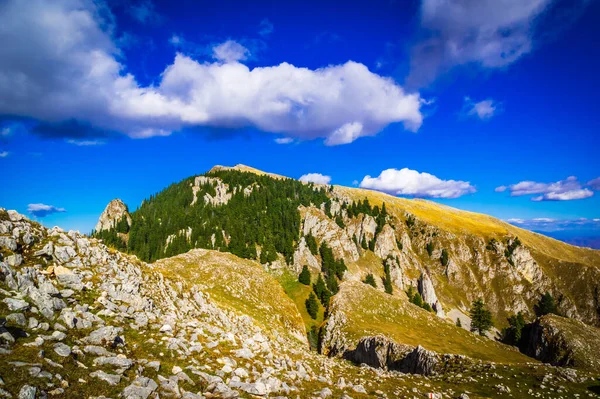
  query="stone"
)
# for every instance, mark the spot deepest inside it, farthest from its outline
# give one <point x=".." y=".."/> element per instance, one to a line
<point x="14" y="260"/>
<point x="8" y="243"/>
<point x="17" y="319"/>
<point x="166" y="329"/>
<point x="141" y="388"/>
<point x="104" y="335"/>
<point x="115" y="361"/>
<point x="62" y="349"/>
<point x="111" y="379"/>
<point x="27" y="392"/>
<point x="64" y="254"/>
<point x="16" y="305"/>
<point x="244" y="353"/>
<point x="427" y="292"/>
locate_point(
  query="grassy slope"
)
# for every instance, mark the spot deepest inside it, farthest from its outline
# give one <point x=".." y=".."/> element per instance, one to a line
<point x="371" y="312"/>
<point x="238" y="284"/>
<point x="299" y="293"/>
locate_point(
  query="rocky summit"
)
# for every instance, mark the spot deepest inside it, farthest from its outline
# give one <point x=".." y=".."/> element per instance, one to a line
<point x="242" y="284"/>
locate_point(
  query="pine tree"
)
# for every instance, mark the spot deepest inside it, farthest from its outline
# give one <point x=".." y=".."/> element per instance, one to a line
<point x="417" y="300"/>
<point x="312" y="244"/>
<point x="444" y="257"/>
<point x="429" y="248"/>
<point x="363" y="243"/>
<point x="458" y="322"/>
<point x="312" y="306"/>
<point x="304" y="276"/>
<point x="369" y="279"/>
<point x="512" y="334"/>
<point x="546" y="305"/>
<point x="481" y="317"/>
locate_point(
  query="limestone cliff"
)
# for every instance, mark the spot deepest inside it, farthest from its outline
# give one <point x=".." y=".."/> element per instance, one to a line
<point x="112" y="214"/>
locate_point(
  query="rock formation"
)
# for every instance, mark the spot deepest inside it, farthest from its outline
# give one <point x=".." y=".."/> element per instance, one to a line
<point x="113" y="213"/>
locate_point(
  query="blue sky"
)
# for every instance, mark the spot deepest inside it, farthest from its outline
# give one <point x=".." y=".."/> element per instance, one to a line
<point x="488" y="106"/>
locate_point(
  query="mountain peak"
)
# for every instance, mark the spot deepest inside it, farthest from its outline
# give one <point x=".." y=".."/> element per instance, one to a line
<point x="113" y="213"/>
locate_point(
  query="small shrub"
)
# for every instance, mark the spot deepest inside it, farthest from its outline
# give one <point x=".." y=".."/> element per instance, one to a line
<point x="304" y="276"/>
<point x="312" y="306"/>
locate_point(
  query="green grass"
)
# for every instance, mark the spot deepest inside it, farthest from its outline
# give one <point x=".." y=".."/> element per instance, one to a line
<point x="299" y="293"/>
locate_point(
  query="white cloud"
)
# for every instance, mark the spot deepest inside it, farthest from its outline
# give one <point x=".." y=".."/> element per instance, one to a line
<point x="230" y="51"/>
<point x="345" y="134"/>
<point x="85" y="143"/>
<point x="562" y="190"/>
<point x="410" y="182"/>
<point x="315" y="178"/>
<point x="42" y="210"/>
<point x="483" y="109"/>
<point x="487" y="33"/>
<point x="58" y="63"/>
<point x="284" y="140"/>
<point x="500" y="189"/>
<point x="4" y="154"/>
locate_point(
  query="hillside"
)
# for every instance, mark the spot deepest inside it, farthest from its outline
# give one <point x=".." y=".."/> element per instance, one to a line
<point x="265" y="217"/>
<point x="79" y="319"/>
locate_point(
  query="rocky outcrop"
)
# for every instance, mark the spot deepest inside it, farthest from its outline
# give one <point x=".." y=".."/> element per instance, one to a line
<point x="316" y="223"/>
<point x="427" y="292"/>
<point x="221" y="191"/>
<point x="303" y="257"/>
<point x="112" y="214"/>
<point x="562" y="342"/>
<point x="385" y="244"/>
<point x="380" y="352"/>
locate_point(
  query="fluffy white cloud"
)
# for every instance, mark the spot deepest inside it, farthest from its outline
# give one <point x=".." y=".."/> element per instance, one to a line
<point x="483" y="109"/>
<point x="410" y="182"/>
<point x="562" y="190"/>
<point x="4" y="154"/>
<point x="284" y="140"/>
<point x="488" y="33"/>
<point x="58" y="63"/>
<point x="230" y="51"/>
<point x="42" y="210"/>
<point x="315" y="178"/>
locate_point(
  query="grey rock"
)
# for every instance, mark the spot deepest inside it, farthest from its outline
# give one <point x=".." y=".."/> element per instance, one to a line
<point x="8" y="243"/>
<point x="17" y="319"/>
<point x="16" y="305"/>
<point x="14" y="260"/>
<point x="6" y="337"/>
<point x="62" y="349"/>
<point x="111" y="379"/>
<point x="258" y="388"/>
<point x="104" y="335"/>
<point x="64" y="254"/>
<point x="96" y="350"/>
<point x="141" y="388"/>
<point x="48" y="250"/>
<point x="27" y="392"/>
<point x="114" y="361"/>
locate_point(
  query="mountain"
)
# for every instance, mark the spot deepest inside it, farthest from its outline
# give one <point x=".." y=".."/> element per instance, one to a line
<point x="196" y="294"/>
<point x="269" y="218"/>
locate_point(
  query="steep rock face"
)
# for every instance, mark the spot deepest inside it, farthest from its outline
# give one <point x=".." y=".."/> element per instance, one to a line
<point x="303" y="257"/>
<point x="365" y="228"/>
<point x="563" y="342"/>
<point x="222" y="194"/>
<point x="380" y="352"/>
<point x="112" y="214"/>
<point x="385" y="244"/>
<point x="322" y="228"/>
<point x="428" y="294"/>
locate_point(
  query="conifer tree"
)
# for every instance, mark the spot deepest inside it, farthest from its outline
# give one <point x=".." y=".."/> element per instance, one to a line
<point x="304" y="276"/>
<point x="369" y="279"/>
<point x="312" y="306"/>
<point x="481" y="317"/>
